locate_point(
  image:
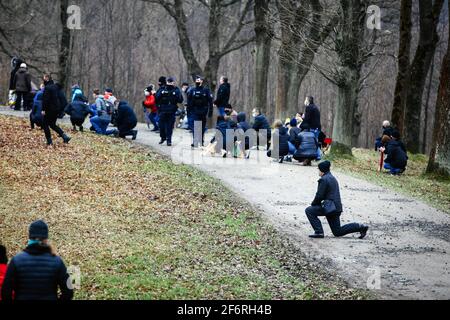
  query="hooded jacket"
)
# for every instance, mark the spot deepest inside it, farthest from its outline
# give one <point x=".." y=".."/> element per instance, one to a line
<point x="36" y="274"/>
<point x="36" y="110"/>
<point x="126" y="117"/>
<point x="150" y="103"/>
<point x="22" y="80"/>
<point x="223" y="95"/>
<point x="396" y="154"/>
<point x="78" y="109"/>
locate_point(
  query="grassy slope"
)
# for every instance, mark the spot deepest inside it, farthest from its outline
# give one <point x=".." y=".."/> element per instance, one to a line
<point x="413" y="182"/>
<point x="140" y="227"/>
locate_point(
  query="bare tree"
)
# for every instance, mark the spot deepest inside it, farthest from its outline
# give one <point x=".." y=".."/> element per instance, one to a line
<point x="440" y="153"/>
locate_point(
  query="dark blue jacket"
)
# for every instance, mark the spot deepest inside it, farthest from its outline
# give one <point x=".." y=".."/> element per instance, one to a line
<point x="281" y="143"/>
<point x="167" y="98"/>
<point x="262" y="123"/>
<point x="223" y="95"/>
<point x="328" y="189"/>
<point x="126" y="117"/>
<point x="78" y="109"/>
<point x="36" y="110"/>
<point x="36" y="274"/>
<point x="200" y="101"/>
<point x="396" y="154"/>
<point x="54" y="100"/>
<point x="307" y="146"/>
<point x="293" y="134"/>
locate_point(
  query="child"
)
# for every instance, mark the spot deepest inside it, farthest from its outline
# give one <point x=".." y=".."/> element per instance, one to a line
<point x="3" y="266"/>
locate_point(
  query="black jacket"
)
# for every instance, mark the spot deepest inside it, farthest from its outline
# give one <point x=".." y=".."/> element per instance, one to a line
<point x="328" y="189"/>
<point x="167" y="98"/>
<point x="396" y="154"/>
<point x="200" y="101"/>
<point x="312" y="117"/>
<point x="307" y="146"/>
<point x="54" y="100"/>
<point x="22" y="81"/>
<point x="77" y="109"/>
<point x="36" y="274"/>
<point x="126" y="117"/>
<point x="223" y="95"/>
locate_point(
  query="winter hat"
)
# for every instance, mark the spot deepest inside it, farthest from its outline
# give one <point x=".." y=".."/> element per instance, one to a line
<point x="170" y="79"/>
<point x="23" y="65"/>
<point x="38" y="230"/>
<point x="293" y="122"/>
<point x="109" y="90"/>
<point x="396" y="134"/>
<point x="162" y="80"/>
<point x="325" y="166"/>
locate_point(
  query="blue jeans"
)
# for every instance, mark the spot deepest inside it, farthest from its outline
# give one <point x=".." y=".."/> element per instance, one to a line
<point x="101" y="125"/>
<point x="334" y="221"/>
<point x="221" y="111"/>
<point x="292" y="149"/>
<point x="166" y="123"/>
<point x="154" y="119"/>
<point x="392" y="170"/>
<point x="190" y="117"/>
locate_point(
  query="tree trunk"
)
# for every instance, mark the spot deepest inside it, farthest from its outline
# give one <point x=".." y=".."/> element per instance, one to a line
<point x="346" y="122"/>
<point x="404" y="54"/>
<point x="429" y="18"/>
<point x="426" y="109"/>
<point x="344" y="116"/>
<point x="439" y="162"/>
<point x="264" y="33"/>
<point x="63" y="56"/>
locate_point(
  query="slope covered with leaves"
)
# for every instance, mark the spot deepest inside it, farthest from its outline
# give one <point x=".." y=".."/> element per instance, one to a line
<point x="140" y="227"/>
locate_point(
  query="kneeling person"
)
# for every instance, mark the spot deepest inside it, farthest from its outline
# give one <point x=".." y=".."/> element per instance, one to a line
<point x="126" y="120"/>
<point x="328" y="190"/>
<point x="78" y="110"/>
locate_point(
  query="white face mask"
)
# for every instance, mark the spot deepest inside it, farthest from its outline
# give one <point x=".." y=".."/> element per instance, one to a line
<point x="147" y="93"/>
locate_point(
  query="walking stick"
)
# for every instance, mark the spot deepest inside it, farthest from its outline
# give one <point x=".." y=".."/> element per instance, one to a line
<point x="381" y="161"/>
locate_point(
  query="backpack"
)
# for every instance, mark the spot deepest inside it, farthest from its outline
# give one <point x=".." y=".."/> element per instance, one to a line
<point x="109" y="107"/>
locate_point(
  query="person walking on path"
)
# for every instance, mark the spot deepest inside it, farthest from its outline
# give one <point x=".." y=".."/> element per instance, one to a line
<point x="327" y="203"/>
<point x="53" y="103"/>
<point x="167" y="99"/>
<point x="37" y="272"/>
<point x="200" y="102"/>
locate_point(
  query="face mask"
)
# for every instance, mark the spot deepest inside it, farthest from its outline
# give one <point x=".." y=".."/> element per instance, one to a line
<point x="147" y="93"/>
<point x="254" y="114"/>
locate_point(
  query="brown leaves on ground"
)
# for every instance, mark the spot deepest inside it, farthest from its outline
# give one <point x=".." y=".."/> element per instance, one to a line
<point x="140" y="227"/>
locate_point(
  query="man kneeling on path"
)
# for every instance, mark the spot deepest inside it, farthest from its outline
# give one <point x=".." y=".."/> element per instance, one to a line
<point x="328" y="203"/>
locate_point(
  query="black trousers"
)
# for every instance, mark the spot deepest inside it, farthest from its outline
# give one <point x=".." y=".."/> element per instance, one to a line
<point x="166" y="124"/>
<point x="50" y="122"/>
<point x="26" y="101"/>
<point x="334" y="221"/>
<point x="77" y="122"/>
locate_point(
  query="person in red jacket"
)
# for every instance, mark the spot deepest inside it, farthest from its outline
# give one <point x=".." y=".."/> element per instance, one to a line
<point x="150" y="108"/>
<point x="3" y="266"/>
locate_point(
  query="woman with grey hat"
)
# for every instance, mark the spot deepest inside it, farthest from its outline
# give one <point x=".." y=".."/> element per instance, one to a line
<point x="37" y="273"/>
<point x="327" y="203"/>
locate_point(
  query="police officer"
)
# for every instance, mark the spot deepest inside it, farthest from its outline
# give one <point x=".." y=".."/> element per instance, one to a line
<point x="200" y="102"/>
<point x="167" y="98"/>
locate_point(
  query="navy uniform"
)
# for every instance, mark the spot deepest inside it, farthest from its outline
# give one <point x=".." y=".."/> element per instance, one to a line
<point x="200" y="101"/>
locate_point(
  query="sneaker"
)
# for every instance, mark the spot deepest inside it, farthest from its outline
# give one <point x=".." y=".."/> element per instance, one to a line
<point x="66" y="139"/>
<point x="169" y="144"/>
<point x="317" y="236"/>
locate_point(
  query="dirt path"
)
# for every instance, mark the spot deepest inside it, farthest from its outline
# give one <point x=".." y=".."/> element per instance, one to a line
<point x="407" y="248"/>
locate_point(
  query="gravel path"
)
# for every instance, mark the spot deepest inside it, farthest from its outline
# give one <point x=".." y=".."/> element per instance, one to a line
<point x="406" y="254"/>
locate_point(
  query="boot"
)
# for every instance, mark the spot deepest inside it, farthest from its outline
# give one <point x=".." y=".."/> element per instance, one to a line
<point x="66" y="139"/>
<point x="134" y="135"/>
<point x="81" y="129"/>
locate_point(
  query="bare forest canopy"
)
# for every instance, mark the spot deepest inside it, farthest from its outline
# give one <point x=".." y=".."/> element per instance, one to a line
<point x="274" y="53"/>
